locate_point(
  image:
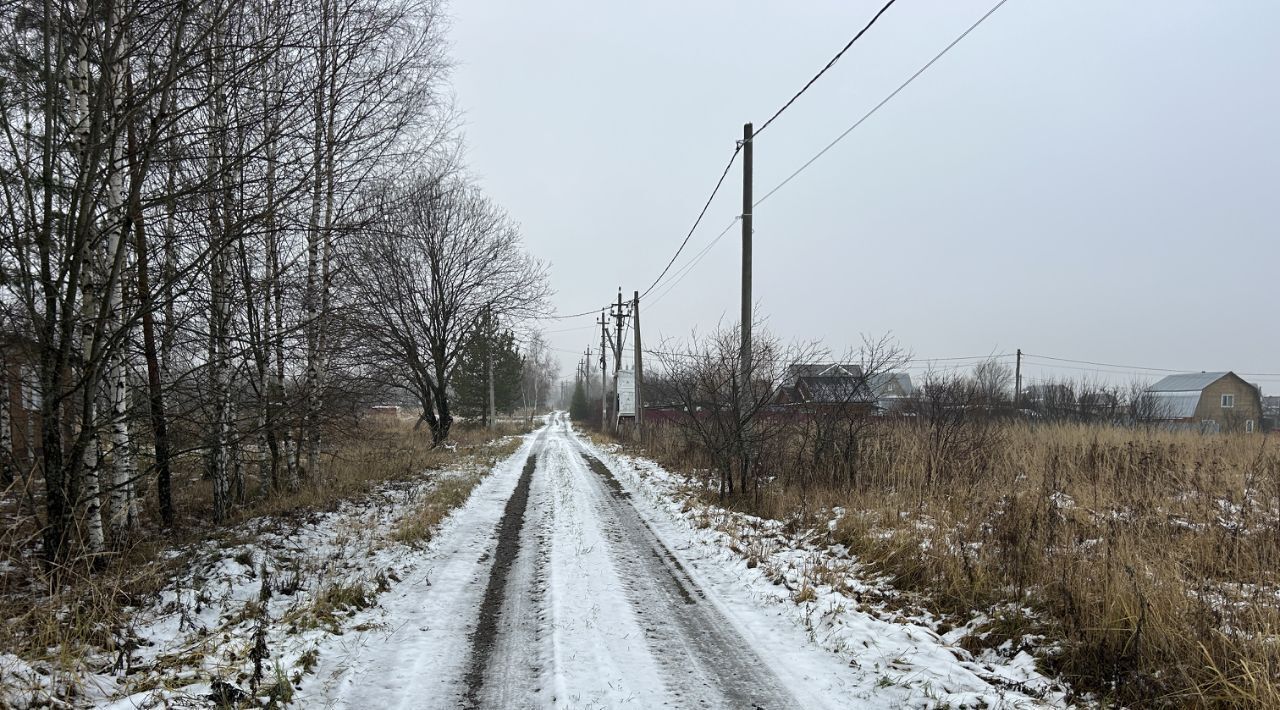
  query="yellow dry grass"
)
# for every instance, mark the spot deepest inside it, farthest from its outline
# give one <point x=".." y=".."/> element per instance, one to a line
<point x="1149" y="559"/>
<point x="63" y="623"/>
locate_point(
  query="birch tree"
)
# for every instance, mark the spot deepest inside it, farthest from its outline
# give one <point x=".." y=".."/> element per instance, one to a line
<point x="177" y="181"/>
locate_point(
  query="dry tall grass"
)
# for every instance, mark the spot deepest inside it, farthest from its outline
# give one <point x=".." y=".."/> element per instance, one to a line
<point x="73" y="617"/>
<point x="1147" y="560"/>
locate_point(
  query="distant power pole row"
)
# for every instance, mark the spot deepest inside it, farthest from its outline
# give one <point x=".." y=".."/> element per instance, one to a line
<point x="618" y="312"/>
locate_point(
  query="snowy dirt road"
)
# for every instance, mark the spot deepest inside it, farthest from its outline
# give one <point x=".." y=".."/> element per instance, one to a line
<point x="552" y="587"/>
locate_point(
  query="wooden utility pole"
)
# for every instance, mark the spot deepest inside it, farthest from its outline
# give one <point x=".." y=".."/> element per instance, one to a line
<point x="586" y="376"/>
<point x="1017" y="383"/>
<point x="488" y="320"/>
<point x="744" y="384"/>
<point x="635" y="323"/>
<point x="618" y="318"/>
<point x="746" y="256"/>
<point x="604" y="372"/>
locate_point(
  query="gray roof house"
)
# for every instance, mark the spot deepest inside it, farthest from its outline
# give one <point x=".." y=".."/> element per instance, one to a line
<point x="844" y="384"/>
<point x="825" y="385"/>
<point x="798" y="370"/>
<point x="1211" y="401"/>
<point x="890" y="389"/>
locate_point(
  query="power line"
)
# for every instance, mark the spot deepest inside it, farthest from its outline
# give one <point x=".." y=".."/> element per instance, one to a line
<point x="1140" y="368"/>
<point x="684" y="270"/>
<point x="569" y="330"/>
<point x="1102" y="364"/>
<point x="996" y="356"/>
<point x="829" y="146"/>
<point x="886" y="100"/>
<point x="697" y="221"/>
<point x="1098" y="370"/>
<point x="591" y="312"/>
<point x="824" y="69"/>
<point x="756" y="134"/>
<point x="724" y="173"/>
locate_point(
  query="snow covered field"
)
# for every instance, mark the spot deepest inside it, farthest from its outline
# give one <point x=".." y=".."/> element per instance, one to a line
<point x="572" y="577"/>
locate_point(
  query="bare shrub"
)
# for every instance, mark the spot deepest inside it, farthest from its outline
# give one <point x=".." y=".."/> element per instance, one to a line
<point x="726" y="411"/>
<point x="1139" y="563"/>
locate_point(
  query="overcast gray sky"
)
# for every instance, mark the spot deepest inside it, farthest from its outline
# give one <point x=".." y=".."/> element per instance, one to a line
<point x="1094" y="180"/>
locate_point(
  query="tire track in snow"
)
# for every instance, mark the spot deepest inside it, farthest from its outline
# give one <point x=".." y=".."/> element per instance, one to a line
<point x="706" y="661"/>
<point x="484" y="638"/>
<point x="414" y="654"/>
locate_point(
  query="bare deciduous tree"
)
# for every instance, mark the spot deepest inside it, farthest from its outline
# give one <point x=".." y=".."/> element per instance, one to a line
<point x="163" y="171"/>
<point x="437" y="259"/>
<point x="729" y="421"/>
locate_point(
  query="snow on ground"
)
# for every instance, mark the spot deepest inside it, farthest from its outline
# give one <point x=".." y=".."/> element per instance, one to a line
<point x="788" y="589"/>
<point x="621" y="591"/>
<point x="286" y="584"/>
<point x="411" y="651"/>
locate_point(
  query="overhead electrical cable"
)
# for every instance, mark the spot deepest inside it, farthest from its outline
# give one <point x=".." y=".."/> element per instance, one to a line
<point x="884" y="101"/>
<point x="1100" y="364"/>
<point x="1139" y="368"/>
<point x="684" y="270"/>
<point x="738" y="149"/>
<point x="757" y="132"/>
<point x="591" y="312"/>
<point x="698" y="221"/>
<point x="839" y="138"/>
<point x="823" y="70"/>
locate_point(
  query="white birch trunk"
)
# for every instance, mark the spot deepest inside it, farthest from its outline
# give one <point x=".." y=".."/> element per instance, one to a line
<point x="121" y="461"/>
<point x="311" y="436"/>
<point x="266" y="423"/>
<point x="218" y="227"/>
<point x="92" y="489"/>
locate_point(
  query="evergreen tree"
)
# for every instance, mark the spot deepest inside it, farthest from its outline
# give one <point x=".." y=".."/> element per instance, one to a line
<point x="579" y="408"/>
<point x="471" y="378"/>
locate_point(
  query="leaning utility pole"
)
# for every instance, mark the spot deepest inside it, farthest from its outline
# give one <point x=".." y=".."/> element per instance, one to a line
<point x="746" y="257"/>
<point x="635" y="323"/>
<point x="1017" y="383"/>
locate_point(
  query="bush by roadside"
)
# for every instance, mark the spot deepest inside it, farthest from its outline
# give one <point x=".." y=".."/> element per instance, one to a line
<point x="1139" y="565"/>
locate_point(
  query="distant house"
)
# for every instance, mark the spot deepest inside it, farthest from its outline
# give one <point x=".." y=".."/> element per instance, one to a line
<point x="799" y="370"/>
<point x="1271" y="413"/>
<point x="892" y="390"/>
<point x="808" y="383"/>
<point x="844" y="387"/>
<point x="830" y="387"/>
<point x="1209" y="401"/>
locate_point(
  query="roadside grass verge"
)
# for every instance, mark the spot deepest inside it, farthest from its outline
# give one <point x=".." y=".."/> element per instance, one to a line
<point x="82" y="621"/>
<point x="417" y="527"/>
<point x="1141" y="566"/>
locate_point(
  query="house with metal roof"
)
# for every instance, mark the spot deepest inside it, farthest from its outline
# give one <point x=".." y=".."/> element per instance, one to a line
<point x="830" y="388"/>
<point x="845" y="388"/>
<point x="1209" y="401"/>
